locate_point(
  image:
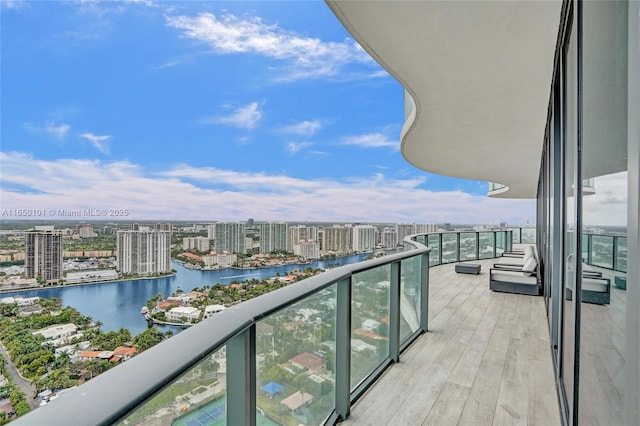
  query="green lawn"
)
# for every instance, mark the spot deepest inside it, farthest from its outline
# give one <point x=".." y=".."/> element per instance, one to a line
<point x="167" y="397"/>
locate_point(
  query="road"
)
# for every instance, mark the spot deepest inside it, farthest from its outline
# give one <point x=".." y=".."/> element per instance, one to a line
<point x="24" y="384"/>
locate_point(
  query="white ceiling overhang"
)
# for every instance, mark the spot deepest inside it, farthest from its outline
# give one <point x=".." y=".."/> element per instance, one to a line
<point x="480" y="75"/>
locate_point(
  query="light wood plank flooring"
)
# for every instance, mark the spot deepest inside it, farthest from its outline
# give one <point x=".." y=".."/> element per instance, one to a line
<point x="485" y="360"/>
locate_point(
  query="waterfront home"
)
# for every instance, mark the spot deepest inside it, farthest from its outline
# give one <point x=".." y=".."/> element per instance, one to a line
<point x="57" y="331"/>
<point x="190" y="313"/>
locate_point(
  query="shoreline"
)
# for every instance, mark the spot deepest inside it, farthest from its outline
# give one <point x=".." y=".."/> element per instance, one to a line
<point x="17" y="290"/>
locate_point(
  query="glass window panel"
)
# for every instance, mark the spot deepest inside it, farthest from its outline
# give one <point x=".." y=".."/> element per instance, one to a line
<point x="410" y="294"/>
<point x="501" y="242"/>
<point x="295" y="362"/>
<point x="199" y="393"/>
<point x="621" y="255"/>
<point x="570" y="132"/>
<point x="434" y="244"/>
<point x="516" y="235"/>
<point x="486" y="245"/>
<point x="449" y="248"/>
<point x="604" y="208"/>
<point x="369" y="322"/>
<point x="601" y="248"/>
<point x="468" y="246"/>
<point x="528" y="236"/>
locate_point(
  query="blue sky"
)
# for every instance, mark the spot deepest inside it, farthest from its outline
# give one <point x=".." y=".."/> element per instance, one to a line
<point x="211" y="111"/>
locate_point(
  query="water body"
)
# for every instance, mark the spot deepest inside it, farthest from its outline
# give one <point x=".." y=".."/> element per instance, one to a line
<point x="118" y="304"/>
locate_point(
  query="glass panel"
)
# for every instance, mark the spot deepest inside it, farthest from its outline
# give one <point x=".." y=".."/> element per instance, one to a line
<point x="468" y="246"/>
<point x="501" y="242"/>
<point x="601" y="248"/>
<point x="449" y="248"/>
<point x="369" y="322"/>
<point x="199" y="394"/>
<point x="410" y="292"/>
<point x="621" y="255"/>
<point x="486" y="245"/>
<point x="528" y="236"/>
<point x="568" y="312"/>
<point x="585" y="247"/>
<point x="295" y="362"/>
<point x="516" y="235"/>
<point x="434" y="244"/>
<point x="604" y="160"/>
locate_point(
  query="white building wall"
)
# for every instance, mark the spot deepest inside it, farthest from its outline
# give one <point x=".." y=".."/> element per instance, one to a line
<point x="364" y="238"/>
<point x="273" y="237"/>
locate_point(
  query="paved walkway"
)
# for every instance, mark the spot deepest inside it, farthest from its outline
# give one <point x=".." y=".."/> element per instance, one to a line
<point x="23" y="384"/>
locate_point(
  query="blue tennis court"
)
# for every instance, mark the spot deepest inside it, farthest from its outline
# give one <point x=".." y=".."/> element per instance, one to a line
<point x="214" y="414"/>
<point x="210" y="415"/>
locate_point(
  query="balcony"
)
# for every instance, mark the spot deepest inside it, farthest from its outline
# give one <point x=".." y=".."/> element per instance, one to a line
<point x="347" y="344"/>
<point x="485" y="360"/>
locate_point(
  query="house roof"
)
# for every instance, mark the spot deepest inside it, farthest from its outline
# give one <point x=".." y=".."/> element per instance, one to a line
<point x="309" y="361"/>
<point x="297" y="400"/>
<point x="272" y="388"/>
<point x="124" y="351"/>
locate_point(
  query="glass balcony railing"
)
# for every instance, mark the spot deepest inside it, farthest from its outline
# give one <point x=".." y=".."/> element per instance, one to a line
<point x="607" y="251"/>
<point x="302" y="354"/>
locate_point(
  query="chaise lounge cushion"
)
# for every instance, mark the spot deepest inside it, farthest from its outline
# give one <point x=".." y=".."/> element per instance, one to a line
<point x="530" y="266"/>
<point x="513" y="277"/>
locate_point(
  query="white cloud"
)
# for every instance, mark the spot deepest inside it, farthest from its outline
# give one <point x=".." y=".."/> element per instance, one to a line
<point x="372" y="140"/>
<point x="101" y="143"/>
<point x="246" y="117"/>
<point x="608" y="205"/>
<point x="304" y="128"/>
<point x="305" y="57"/>
<point x="14" y="4"/>
<point x="51" y="129"/>
<point x="294" y="147"/>
<point x="192" y="193"/>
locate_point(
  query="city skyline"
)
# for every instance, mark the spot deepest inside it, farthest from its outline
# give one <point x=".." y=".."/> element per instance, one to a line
<point x="198" y="110"/>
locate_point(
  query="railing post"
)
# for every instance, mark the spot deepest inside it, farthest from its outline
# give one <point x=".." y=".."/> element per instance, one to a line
<point x="394" y="312"/>
<point x="424" y="292"/>
<point x="343" y="348"/>
<point x="477" y="245"/>
<point x="457" y="246"/>
<point x="615" y="253"/>
<point x="440" y="248"/>
<point x="589" y="259"/>
<point x="495" y="242"/>
<point x="241" y="378"/>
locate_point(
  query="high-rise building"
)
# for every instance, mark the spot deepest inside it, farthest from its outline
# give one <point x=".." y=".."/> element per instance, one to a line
<point x="211" y="231"/>
<point x="163" y="227"/>
<point x="388" y="238"/>
<point x="299" y="233"/>
<point x="144" y="251"/>
<point x="405" y="229"/>
<point x="43" y="255"/>
<point x="307" y="249"/>
<point x="337" y="238"/>
<point x="86" y="231"/>
<point x="273" y="237"/>
<point x="196" y="243"/>
<point x="229" y="236"/>
<point x="422" y="228"/>
<point x="364" y="238"/>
